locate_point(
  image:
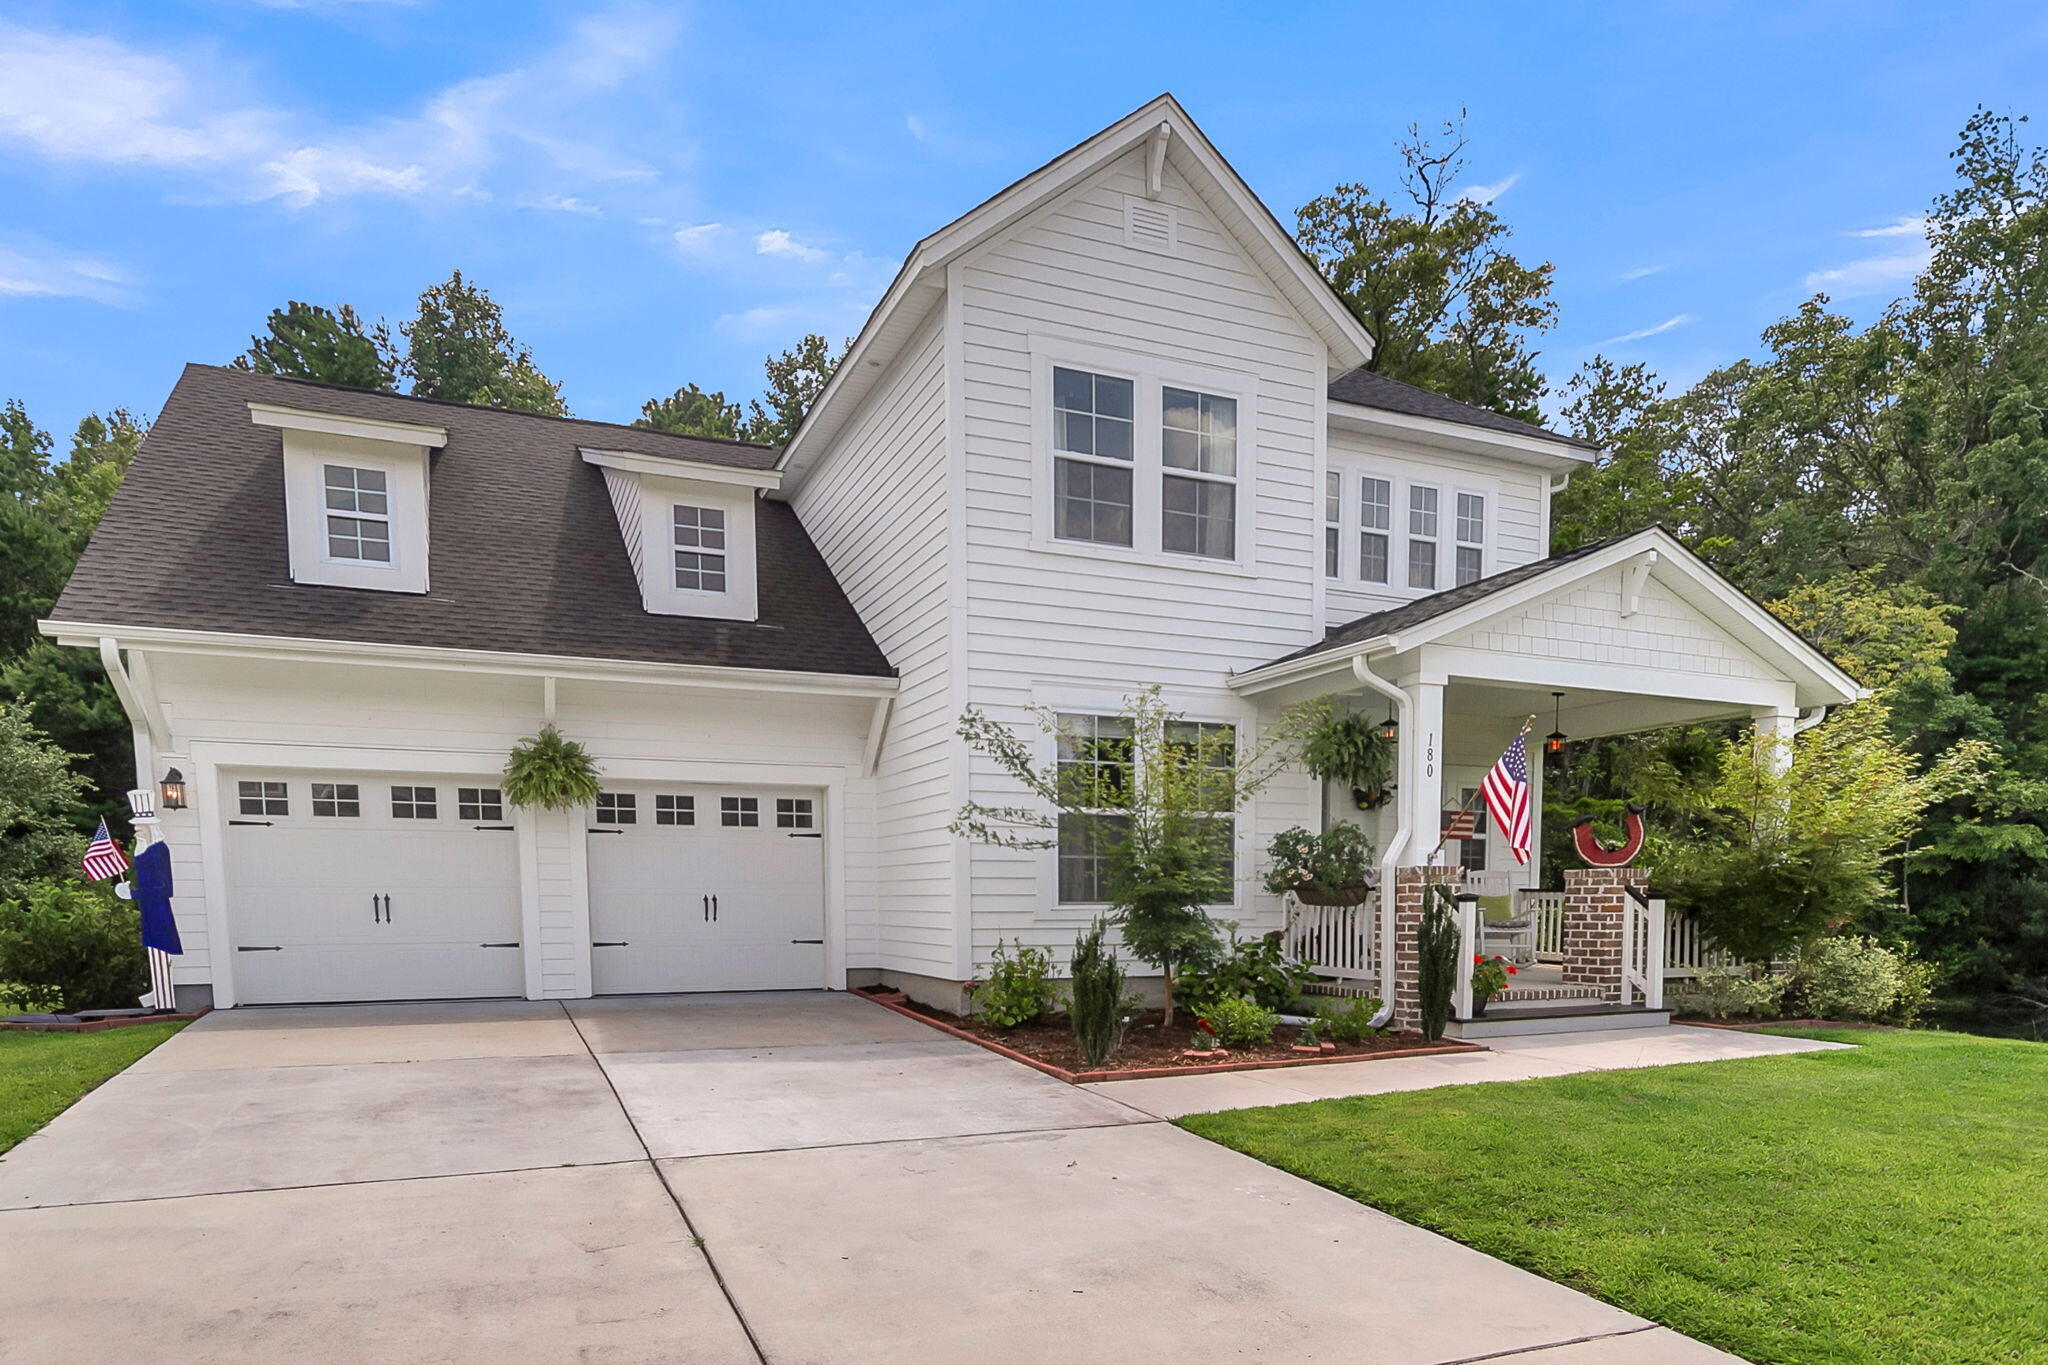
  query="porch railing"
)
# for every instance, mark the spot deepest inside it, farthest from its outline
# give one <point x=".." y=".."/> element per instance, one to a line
<point x="1547" y="908"/>
<point x="1342" y="941"/>
<point x="1687" y="952"/>
<point x="1642" y="945"/>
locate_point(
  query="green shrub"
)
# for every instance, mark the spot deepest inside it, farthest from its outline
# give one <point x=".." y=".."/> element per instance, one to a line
<point x="1855" y="978"/>
<point x="75" y="939"/>
<point x="16" y="998"/>
<point x="1257" y="968"/>
<point x="1322" y="865"/>
<point x="1730" y="993"/>
<point x="1436" y="951"/>
<point x="1019" y="989"/>
<point x="1241" y="1023"/>
<point x="1099" y="1005"/>
<point x="1349" y="1021"/>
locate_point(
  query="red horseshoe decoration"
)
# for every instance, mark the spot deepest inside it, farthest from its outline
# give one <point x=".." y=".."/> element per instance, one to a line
<point x="1598" y="854"/>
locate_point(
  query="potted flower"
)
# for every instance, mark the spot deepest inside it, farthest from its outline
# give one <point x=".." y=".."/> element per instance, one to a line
<point x="1332" y="868"/>
<point x="1489" y="978"/>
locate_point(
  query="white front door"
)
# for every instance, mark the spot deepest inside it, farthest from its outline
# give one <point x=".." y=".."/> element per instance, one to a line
<point x="706" y="888"/>
<point x="358" y="886"/>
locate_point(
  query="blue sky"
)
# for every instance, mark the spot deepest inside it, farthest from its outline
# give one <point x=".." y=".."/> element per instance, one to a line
<point x="662" y="193"/>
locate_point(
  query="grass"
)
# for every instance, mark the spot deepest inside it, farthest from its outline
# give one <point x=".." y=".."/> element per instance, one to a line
<point x="1886" y="1204"/>
<point x="43" y="1074"/>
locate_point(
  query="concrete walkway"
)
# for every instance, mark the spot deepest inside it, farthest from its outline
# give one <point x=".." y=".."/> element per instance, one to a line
<point x="1510" y="1059"/>
<point x="790" y="1178"/>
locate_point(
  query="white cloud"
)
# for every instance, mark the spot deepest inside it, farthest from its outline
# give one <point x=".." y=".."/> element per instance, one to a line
<point x="39" y="271"/>
<point x="935" y="135"/>
<point x="777" y="242"/>
<point x="1643" y="333"/>
<point x="756" y="323"/>
<point x="1641" y="272"/>
<point x="1486" y="194"/>
<point x="563" y="203"/>
<point x="917" y="128"/>
<point x="78" y="97"/>
<point x="1914" y="226"/>
<point x="698" y="239"/>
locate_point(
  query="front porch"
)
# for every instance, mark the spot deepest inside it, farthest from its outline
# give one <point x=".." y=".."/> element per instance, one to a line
<point x="1633" y="635"/>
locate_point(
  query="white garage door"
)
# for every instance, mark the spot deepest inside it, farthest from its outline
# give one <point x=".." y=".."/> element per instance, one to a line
<point x="706" y="889"/>
<point x="371" y="887"/>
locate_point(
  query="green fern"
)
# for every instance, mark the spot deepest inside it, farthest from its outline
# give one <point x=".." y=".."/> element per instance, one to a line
<point x="550" y="772"/>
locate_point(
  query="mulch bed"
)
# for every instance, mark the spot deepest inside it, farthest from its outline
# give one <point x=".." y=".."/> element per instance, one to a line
<point x="1149" y="1047"/>
<point x="88" y="1024"/>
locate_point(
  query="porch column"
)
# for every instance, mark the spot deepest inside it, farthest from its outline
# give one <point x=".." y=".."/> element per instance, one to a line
<point x="1421" y="781"/>
<point x="1774" y="725"/>
<point x="1408" y="906"/>
<point x="1595" y="918"/>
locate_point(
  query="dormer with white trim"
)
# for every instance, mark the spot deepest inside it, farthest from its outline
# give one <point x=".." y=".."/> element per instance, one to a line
<point x="689" y="531"/>
<point x="355" y="493"/>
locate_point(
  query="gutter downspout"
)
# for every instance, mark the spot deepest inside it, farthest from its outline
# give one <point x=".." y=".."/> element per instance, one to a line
<point x="1390" y="858"/>
<point x="140" y="718"/>
<point x="1807" y="719"/>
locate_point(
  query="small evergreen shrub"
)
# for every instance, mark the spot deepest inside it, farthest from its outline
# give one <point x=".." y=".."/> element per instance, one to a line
<point x="1436" y="944"/>
<point x="1241" y="1023"/>
<point x="1258" y="969"/>
<point x="1730" y="993"/>
<point x="1099" y="1003"/>
<point x="1019" y="989"/>
<point x="76" y="940"/>
<point x="1348" y="1020"/>
<point x="1856" y="978"/>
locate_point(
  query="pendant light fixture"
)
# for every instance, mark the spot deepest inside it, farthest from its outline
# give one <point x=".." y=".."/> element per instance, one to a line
<point x="1553" y="743"/>
<point x="1390" y="727"/>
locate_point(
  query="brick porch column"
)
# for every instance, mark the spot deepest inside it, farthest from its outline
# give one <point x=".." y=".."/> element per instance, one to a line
<point x="1408" y="884"/>
<point x="1595" y="916"/>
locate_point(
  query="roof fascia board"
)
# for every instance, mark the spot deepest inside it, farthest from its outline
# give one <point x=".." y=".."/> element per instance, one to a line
<point x="668" y="468"/>
<point x="332" y="424"/>
<point x="582" y="669"/>
<point x="1432" y="431"/>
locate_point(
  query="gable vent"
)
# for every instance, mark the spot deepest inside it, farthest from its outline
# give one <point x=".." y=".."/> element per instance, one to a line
<point x="1150" y="227"/>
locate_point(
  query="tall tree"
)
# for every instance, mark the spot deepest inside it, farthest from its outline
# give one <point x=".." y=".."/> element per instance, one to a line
<point x="690" y="411"/>
<point x="795" y="379"/>
<point x="1621" y="409"/>
<point x="306" y="341"/>
<point x="458" y="348"/>
<point x="1448" y="306"/>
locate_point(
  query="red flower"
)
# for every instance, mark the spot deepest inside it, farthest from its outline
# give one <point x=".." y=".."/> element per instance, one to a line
<point x="1479" y="957"/>
<point x="1205" y="1026"/>
<point x="1512" y="970"/>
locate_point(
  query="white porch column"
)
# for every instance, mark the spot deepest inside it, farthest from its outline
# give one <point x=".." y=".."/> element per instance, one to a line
<point x="1421" y="791"/>
<point x="1775" y="725"/>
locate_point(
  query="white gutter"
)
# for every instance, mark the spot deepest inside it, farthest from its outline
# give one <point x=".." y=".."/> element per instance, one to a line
<point x="1390" y="857"/>
<point x="142" y="718"/>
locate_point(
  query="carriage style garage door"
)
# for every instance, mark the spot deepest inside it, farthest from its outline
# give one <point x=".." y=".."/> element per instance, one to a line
<point x="357" y="886"/>
<point x="706" y="889"/>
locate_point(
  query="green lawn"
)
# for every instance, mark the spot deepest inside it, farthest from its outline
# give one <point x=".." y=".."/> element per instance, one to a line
<point x="1886" y="1204"/>
<point x="43" y="1074"/>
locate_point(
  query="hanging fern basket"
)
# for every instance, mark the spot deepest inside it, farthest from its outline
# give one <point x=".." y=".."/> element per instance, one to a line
<point x="549" y="772"/>
<point x="1348" y="749"/>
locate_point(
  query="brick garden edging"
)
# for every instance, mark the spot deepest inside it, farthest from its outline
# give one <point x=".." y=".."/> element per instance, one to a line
<point x="1059" y="1073"/>
<point x="99" y="1025"/>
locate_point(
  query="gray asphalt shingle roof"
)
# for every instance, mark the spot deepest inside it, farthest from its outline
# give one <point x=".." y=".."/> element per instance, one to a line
<point x="525" y="550"/>
<point x="1369" y="390"/>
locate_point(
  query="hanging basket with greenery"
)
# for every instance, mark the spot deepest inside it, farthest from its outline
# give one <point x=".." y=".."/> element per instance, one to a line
<point x="1347" y="748"/>
<point x="549" y="772"/>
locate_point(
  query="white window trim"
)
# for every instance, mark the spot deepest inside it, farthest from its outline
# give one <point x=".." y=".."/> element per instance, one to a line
<point x="1400" y="479"/>
<point x="676" y="547"/>
<point x="1488" y="525"/>
<point x="1203" y="710"/>
<point x="388" y="516"/>
<point x="306" y="458"/>
<point x="1149" y="375"/>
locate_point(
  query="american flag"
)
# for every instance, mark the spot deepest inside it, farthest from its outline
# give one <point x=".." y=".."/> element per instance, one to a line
<point x="1462" y="824"/>
<point x="1506" y="788"/>
<point x="103" y="857"/>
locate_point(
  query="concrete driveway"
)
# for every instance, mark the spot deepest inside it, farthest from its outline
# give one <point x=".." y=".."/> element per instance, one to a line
<point x="785" y="1178"/>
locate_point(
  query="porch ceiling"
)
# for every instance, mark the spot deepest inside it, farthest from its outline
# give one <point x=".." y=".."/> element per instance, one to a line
<point x="1582" y="713"/>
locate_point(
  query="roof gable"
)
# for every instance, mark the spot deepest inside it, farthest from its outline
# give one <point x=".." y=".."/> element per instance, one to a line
<point x="1166" y="134"/>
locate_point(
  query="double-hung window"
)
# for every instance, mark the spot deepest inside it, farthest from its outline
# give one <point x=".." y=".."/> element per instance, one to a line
<point x="1198" y="455"/>
<point x="1375" y="529"/>
<point x="358" y="514"/>
<point x="700" y="548"/>
<point x="1213" y="746"/>
<point x="1471" y="547"/>
<point x="1333" y="522"/>
<point x="1095" y="771"/>
<point x="1093" y="418"/>
<point x="1422" y="536"/>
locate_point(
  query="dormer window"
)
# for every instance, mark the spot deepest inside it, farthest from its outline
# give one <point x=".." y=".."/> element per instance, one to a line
<point x="355" y="497"/>
<point x="700" y="549"/>
<point x="358" y="515"/>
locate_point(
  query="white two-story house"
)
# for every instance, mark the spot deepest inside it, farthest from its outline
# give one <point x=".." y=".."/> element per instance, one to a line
<point x="1108" y="429"/>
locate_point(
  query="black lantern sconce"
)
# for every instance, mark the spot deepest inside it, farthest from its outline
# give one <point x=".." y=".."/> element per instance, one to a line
<point x="1553" y="743"/>
<point x="173" y="788"/>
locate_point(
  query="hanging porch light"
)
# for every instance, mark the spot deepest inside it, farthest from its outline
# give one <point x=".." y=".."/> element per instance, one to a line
<point x="1389" y="727"/>
<point x="1553" y="743"/>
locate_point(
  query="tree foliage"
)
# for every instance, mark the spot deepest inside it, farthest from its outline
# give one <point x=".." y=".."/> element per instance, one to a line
<point x="795" y="379"/>
<point x="690" y="411"/>
<point x="458" y="348"/>
<point x="1448" y="306"/>
<point x="41" y="799"/>
<point x="307" y="341"/>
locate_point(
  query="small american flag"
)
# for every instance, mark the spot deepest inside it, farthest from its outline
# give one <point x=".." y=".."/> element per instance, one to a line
<point x="1461" y="824"/>
<point x="1506" y="788"/>
<point x="103" y="857"/>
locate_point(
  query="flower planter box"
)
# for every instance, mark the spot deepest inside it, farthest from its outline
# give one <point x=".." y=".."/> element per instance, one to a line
<point x="1338" y="899"/>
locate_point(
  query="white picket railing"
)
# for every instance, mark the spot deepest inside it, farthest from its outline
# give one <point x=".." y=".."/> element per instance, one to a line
<point x="1548" y="909"/>
<point x="1687" y="952"/>
<point x="1341" y="940"/>
<point x="1642" y="938"/>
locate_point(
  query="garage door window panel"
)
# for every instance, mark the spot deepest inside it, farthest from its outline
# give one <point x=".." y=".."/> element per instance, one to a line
<point x="415" y="803"/>
<point x="479" y="803"/>
<point x="675" y="810"/>
<point x="263" y="798"/>
<point x="739" y="812"/>
<point x="342" y="800"/>
<point x="617" y="808"/>
<point x="795" y="813"/>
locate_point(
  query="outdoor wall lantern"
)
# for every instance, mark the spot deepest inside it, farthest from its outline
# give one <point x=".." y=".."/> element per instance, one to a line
<point x="1553" y="743"/>
<point x="174" y="789"/>
<point x="1389" y="727"/>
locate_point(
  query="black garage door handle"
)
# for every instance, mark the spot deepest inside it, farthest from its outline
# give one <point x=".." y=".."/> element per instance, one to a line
<point x="275" y="948"/>
<point x="807" y="940"/>
<point x="265" y="823"/>
<point x="815" y="834"/>
<point x="618" y="943"/>
<point x="490" y="827"/>
<point x="497" y="945"/>
<point x="602" y="831"/>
